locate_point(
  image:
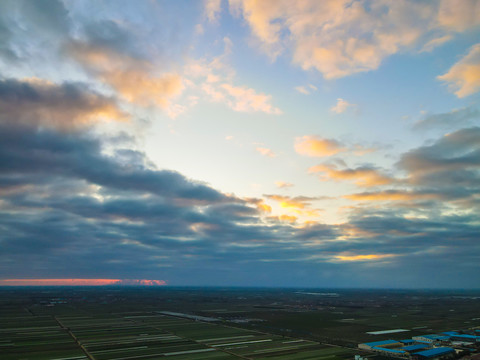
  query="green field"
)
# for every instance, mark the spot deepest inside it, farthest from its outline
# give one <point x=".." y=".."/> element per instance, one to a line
<point x="132" y="323"/>
<point x="146" y="336"/>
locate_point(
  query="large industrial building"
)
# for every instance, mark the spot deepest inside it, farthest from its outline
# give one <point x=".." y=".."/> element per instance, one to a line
<point x="384" y="344"/>
<point x="436" y="353"/>
<point x="427" y="347"/>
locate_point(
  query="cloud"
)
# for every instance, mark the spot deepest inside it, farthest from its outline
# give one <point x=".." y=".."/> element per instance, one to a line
<point x="296" y="205"/>
<point x="316" y="146"/>
<point x="432" y="44"/>
<point x="393" y="195"/>
<point x="283" y="184"/>
<point x="89" y="206"/>
<point x="455" y="151"/>
<point x="140" y="282"/>
<point x="215" y="78"/>
<point x="79" y="158"/>
<point x="452" y="119"/>
<point x="341" y="38"/>
<point x="464" y="77"/>
<point x="342" y="106"/>
<point x="66" y="106"/>
<point x="285" y="218"/>
<point x="368" y="257"/>
<point x="460" y="16"/>
<point x="245" y="99"/>
<point x="264" y="207"/>
<point x="48" y="21"/>
<point x="298" y="202"/>
<point x="135" y="80"/>
<point x="90" y="215"/>
<point x="364" y="176"/>
<point x="306" y="90"/>
<point x="117" y="54"/>
<point x="212" y="9"/>
<point x="266" y="152"/>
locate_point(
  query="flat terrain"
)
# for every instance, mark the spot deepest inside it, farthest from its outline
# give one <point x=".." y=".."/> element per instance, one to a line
<point x="186" y="323"/>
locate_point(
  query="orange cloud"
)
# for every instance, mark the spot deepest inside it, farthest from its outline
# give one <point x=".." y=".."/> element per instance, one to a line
<point x="368" y="257"/>
<point x="335" y="37"/>
<point x="285" y="218"/>
<point x="365" y="177"/>
<point x="283" y="184"/>
<point x="315" y="146"/>
<point x="289" y="202"/>
<point x="464" y="77"/>
<point x="342" y="37"/>
<point x="299" y="205"/>
<point x="79" y="282"/>
<point x="133" y="79"/>
<point x="264" y="207"/>
<point x="391" y="195"/>
<point x="140" y="87"/>
<point x="260" y="204"/>
<point x="266" y="152"/>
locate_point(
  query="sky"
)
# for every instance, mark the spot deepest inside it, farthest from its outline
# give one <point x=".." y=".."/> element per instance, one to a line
<point x="240" y="143"/>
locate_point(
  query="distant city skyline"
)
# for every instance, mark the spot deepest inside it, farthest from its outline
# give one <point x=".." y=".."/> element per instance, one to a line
<point x="240" y="143"/>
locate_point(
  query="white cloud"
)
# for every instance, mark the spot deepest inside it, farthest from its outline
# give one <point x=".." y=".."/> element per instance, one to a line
<point x="212" y="9"/>
<point x="245" y="99"/>
<point x="215" y="78"/>
<point x="302" y="90"/>
<point x="341" y="106"/>
<point x="306" y="89"/>
<point x="266" y="152"/>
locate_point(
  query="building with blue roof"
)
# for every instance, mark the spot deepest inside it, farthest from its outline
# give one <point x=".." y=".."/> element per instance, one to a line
<point x="415" y="348"/>
<point x="391" y="352"/>
<point x="466" y="338"/>
<point x="439" y="352"/>
<point x="383" y="344"/>
<point x="407" y="341"/>
<point x="450" y="333"/>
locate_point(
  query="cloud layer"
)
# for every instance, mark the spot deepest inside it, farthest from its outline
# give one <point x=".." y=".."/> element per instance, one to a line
<point x="84" y="196"/>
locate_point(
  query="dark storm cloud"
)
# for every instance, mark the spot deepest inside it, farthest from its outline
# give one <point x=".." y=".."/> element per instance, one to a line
<point x="65" y="106"/>
<point x="78" y="157"/>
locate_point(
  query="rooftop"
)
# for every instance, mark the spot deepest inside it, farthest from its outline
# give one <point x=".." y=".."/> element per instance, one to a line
<point x="415" y="347"/>
<point x="383" y="342"/>
<point x="435" y="352"/>
<point x="389" y="350"/>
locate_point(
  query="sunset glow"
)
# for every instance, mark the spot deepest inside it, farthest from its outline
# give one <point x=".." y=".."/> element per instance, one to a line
<point x="80" y="282"/>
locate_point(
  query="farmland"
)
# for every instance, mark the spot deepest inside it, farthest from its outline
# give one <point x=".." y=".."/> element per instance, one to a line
<point x="186" y="323"/>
